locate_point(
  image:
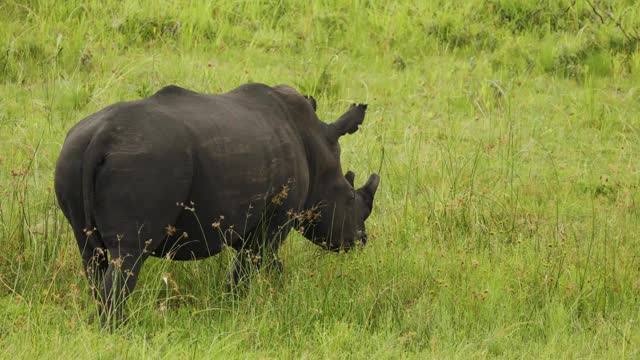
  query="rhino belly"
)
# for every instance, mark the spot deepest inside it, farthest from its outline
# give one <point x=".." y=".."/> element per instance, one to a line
<point x="187" y="247"/>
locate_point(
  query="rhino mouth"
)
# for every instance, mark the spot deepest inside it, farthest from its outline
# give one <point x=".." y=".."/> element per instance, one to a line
<point x="360" y="241"/>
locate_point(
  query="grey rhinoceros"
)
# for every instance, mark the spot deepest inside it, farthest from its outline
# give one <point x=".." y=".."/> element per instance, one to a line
<point x="182" y="174"/>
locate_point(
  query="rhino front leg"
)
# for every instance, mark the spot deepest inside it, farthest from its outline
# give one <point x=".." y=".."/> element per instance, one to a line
<point x="261" y="251"/>
<point x="250" y="260"/>
<point x="244" y="264"/>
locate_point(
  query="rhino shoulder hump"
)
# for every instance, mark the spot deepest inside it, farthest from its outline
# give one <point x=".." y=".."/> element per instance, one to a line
<point x="172" y="90"/>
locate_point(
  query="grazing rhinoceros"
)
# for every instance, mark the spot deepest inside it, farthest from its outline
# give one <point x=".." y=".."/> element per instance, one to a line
<point x="182" y="174"/>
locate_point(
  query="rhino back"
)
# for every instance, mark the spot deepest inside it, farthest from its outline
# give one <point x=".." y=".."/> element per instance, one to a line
<point x="246" y="149"/>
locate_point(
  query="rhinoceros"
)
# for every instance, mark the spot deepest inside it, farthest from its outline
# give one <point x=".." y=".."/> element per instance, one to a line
<point x="181" y="175"/>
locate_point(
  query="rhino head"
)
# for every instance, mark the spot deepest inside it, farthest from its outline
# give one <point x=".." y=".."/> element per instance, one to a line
<point x="341" y="209"/>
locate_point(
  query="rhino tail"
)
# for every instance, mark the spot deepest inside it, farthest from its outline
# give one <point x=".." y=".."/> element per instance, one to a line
<point x="92" y="159"/>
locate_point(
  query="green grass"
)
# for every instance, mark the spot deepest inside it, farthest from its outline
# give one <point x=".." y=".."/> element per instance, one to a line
<point x="507" y="135"/>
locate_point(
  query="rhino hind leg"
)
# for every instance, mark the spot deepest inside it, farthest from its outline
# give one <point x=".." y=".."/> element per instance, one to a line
<point x="135" y="206"/>
<point x="127" y="253"/>
<point x="94" y="255"/>
<point x="96" y="263"/>
<point x="119" y="280"/>
<point x="94" y="259"/>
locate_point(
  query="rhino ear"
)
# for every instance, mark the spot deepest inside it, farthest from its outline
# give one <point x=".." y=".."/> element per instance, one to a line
<point x="347" y="123"/>
<point x="350" y="176"/>
<point x="312" y="101"/>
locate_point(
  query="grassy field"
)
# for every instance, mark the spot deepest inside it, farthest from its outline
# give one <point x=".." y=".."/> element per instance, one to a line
<point x="507" y="135"/>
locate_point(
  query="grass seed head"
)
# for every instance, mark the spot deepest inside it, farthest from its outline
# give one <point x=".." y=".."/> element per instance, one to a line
<point x="170" y="230"/>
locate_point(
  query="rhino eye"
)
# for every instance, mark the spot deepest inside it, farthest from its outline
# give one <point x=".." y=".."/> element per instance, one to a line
<point x="352" y="195"/>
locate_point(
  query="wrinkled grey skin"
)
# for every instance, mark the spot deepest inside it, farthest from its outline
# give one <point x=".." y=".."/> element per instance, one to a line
<point x="182" y="174"/>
